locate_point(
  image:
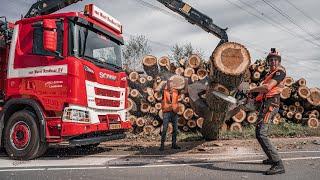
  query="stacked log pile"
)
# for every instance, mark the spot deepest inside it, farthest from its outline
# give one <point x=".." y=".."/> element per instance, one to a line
<point x="145" y="95"/>
<point x="299" y="104"/>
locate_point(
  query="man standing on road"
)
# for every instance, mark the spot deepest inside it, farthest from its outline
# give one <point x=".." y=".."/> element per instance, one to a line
<point x="170" y="109"/>
<point x="268" y="101"/>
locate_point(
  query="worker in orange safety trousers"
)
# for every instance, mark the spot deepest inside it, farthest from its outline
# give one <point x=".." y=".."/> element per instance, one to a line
<point x="268" y="102"/>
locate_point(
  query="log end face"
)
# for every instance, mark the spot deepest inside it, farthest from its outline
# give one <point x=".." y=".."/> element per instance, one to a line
<point x="231" y="58"/>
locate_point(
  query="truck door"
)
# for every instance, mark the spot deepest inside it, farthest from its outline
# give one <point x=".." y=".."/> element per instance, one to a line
<point x="37" y="72"/>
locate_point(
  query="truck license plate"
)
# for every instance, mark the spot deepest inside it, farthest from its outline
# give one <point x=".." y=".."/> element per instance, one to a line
<point x="115" y="126"/>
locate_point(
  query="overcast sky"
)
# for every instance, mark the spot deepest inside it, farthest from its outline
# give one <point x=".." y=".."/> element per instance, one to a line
<point x="251" y="22"/>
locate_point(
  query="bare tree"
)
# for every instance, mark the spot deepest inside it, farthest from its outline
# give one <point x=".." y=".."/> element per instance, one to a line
<point x="184" y="51"/>
<point x="134" y="50"/>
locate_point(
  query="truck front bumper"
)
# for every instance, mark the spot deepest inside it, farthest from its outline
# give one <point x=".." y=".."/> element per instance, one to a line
<point x="95" y="140"/>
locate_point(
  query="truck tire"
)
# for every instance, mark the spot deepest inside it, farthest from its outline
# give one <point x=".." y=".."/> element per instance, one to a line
<point x="21" y="136"/>
<point x="209" y="130"/>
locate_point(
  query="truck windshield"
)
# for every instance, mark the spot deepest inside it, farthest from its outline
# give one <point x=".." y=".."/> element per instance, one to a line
<point x="97" y="47"/>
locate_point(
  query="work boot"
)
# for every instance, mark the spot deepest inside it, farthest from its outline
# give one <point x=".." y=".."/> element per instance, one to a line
<point x="174" y="146"/>
<point x="276" y="168"/>
<point x="161" y="147"/>
<point x="267" y="161"/>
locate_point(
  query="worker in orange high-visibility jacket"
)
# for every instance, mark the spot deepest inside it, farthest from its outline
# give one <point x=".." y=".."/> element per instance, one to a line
<point x="170" y="109"/>
<point x="268" y="102"/>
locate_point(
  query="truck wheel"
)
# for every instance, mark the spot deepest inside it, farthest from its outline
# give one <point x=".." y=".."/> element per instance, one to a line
<point x="209" y="130"/>
<point x="21" y="139"/>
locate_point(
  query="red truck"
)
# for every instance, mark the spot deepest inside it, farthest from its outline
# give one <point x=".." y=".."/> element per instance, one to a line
<point x="61" y="80"/>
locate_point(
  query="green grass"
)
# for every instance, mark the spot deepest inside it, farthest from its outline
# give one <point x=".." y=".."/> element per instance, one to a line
<point x="282" y="130"/>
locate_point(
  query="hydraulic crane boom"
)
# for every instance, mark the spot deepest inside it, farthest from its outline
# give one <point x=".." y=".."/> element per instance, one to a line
<point x="196" y="17"/>
<point x="45" y="7"/>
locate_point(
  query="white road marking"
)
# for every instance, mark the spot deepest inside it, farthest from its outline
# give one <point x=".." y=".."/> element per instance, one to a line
<point x="15" y="170"/>
<point x="286" y="159"/>
<point x="75" y="168"/>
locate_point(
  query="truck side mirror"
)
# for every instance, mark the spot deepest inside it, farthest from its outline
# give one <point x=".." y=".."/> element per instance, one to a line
<point x="50" y="35"/>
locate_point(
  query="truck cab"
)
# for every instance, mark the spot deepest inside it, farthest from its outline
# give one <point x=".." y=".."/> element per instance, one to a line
<point x="64" y="83"/>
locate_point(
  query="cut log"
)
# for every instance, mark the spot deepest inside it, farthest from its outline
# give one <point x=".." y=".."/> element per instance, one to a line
<point x="132" y="106"/>
<point x="252" y="85"/>
<point x="240" y="116"/>
<point x="194" y="78"/>
<point x="164" y="63"/>
<point x="148" y="129"/>
<point x="285" y="93"/>
<point x="188" y="72"/>
<point x="178" y="82"/>
<point x="288" y="81"/>
<point x="236" y="127"/>
<point x="150" y="78"/>
<point x="284" y="113"/>
<point x="315" y="112"/>
<point x="185" y="128"/>
<point x="151" y="99"/>
<point x="314" y="98"/>
<point x="181" y="97"/>
<point x="150" y="65"/>
<point x="300" y="109"/>
<point x="158" y="96"/>
<point x="134" y="76"/>
<point x="229" y="62"/>
<point x="188" y="113"/>
<point x="194" y="61"/>
<point x="297" y="104"/>
<point x="153" y="111"/>
<point x="181" y="122"/>
<point x="179" y="71"/>
<point x="301" y="82"/>
<point x="202" y="73"/>
<point x="292" y="108"/>
<point x="181" y="108"/>
<point x="298" y="117"/>
<point x="155" y="123"/>
<point x="290" y="115"/>
<point x="186" y="100"/>
<point x="140" y="122"/>
<point x="191" y="123"/>
<point x="313" y="123"/>
<point x="158" y="106"/>
<point x="132" y="119"/>
<point x="200" y="122"/>
<point x="276" y="121"/>
<point x="252" y="117"/>
<point x="144" y="108"/>
<point x="256" y="76"/>
<point x="142" y="80"/>
<point x="285" y="107"/>
<point x="149" y="91"/>
<point x="260" y="69"/>
<point x="220" y="88"/>
<point x="303" y="92"/>
<point x="224" y="127"/>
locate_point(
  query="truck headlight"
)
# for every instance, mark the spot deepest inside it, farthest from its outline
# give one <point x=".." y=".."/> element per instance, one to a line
<point x="76" y="115"/>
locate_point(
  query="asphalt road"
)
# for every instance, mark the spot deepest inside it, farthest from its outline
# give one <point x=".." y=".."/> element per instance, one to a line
<point x="303" y="163"/>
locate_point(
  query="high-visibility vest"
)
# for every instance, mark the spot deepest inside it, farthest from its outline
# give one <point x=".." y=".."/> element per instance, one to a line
<point x="272" y="91"/>
<point x="170" y="102"/>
